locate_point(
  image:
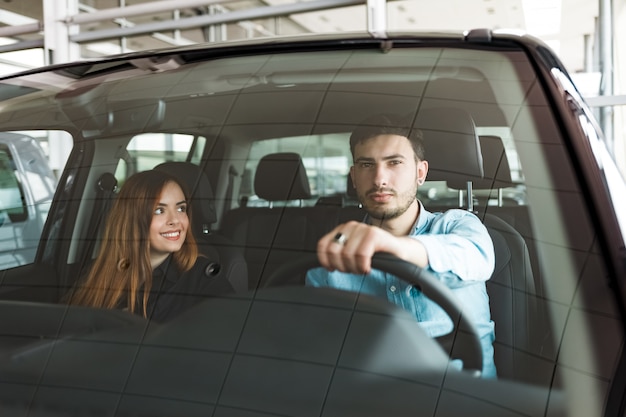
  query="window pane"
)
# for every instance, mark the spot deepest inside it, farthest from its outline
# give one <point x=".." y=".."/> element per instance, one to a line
<point x="27" y="185"/>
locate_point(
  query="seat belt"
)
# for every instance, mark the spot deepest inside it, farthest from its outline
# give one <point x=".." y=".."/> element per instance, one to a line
<point x="105" y="188"/>
<point x="228" y="196"/>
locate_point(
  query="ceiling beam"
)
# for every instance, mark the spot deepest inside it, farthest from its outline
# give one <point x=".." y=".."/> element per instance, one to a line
<point x="209" y="20"/>
<point x="22" y="45"/>
<point x="10" y="31"/>
<point x="138" y="10"/>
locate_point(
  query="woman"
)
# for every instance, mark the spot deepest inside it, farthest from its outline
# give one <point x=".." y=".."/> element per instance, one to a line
<point x="148" y="263"/>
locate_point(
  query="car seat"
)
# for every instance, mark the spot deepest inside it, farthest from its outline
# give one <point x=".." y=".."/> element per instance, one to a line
<point x="276" y="233"/>
<point x="347" y="204"/>
<point x="454" y="152"/>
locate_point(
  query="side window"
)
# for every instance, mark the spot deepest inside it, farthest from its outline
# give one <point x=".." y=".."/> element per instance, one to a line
<point x="12" y="200"/>
<point x="147" y="150"/>
<point x="326" y="159"/>
<point x="27" y="186"/>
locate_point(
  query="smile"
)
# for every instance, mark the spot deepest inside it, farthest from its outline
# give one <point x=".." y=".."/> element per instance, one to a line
<point x="171" y="235"/>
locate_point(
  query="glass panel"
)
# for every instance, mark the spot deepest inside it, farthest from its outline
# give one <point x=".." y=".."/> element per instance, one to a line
<point x="558" y="331"/>
<point x="12" y="199"/>
<point x="27" y="185"/>
<point x="147" y="150"/>
<point x="326" y="159"/>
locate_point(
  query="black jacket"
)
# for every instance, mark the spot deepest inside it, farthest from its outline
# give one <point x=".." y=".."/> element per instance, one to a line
<point x="173" y="292"/>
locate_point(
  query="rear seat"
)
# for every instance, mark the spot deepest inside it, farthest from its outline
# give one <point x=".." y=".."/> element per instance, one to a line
<point x="271" y="236"/>
<point x="347" y="204"/>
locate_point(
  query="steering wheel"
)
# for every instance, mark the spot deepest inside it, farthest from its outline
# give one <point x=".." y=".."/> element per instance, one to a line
<point x="463" y="336"/>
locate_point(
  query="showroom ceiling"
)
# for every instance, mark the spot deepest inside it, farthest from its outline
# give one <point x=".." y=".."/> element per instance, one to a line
<point x="563" y="24"/>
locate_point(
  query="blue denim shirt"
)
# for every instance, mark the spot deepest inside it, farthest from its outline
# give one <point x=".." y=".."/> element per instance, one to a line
<point x="460" y="254"/>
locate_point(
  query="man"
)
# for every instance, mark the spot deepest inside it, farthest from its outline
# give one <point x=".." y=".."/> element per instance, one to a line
<point x="388" y="167"/>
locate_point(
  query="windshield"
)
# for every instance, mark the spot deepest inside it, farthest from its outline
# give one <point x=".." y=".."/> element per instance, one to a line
<point x="274" y="345"/>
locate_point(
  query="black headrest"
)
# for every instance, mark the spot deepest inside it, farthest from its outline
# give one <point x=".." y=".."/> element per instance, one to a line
<point x="202" y="197"/>
<point x="495" y="164"/>
<point x="452" y="146"/>
<point x="281" y="177"/>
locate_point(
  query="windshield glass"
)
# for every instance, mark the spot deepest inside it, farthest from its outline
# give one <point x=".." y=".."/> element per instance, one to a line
<point x="274" y="344"/>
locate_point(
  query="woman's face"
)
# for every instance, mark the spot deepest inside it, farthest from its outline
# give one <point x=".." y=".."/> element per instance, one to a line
<point x="169" y="225"/>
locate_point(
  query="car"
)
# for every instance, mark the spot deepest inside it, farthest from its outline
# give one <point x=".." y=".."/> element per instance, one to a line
<point x="263" y="125"/>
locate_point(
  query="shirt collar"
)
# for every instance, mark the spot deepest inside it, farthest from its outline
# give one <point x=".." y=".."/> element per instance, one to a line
<point x="423" y="219"/>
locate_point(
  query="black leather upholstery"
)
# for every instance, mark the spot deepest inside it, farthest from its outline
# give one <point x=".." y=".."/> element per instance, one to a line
<point x="271" y="236"/>
<point x="452" y="146"/>
<point x="281" y="177"/>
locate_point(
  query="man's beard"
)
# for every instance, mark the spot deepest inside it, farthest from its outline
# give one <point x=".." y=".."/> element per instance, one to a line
<point x="387" y="213"/>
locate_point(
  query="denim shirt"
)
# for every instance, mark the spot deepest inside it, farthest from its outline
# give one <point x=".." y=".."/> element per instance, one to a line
<point x="460" y="254"/>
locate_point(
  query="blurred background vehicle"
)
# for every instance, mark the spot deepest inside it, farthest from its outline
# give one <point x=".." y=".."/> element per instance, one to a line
<point x="27" y="185"/>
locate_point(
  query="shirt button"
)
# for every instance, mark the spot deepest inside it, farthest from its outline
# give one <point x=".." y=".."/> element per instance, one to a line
<point x="392" y="288"/>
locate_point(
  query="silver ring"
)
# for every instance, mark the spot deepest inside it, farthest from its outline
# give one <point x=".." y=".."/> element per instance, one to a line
<point x="340" y="238"/>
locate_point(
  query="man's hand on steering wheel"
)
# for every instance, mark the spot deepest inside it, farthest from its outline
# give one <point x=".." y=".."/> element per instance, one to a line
<point x="349" y="247"/>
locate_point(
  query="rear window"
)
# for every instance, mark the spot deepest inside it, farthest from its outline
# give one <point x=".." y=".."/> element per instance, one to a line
<point x="326" y="158"/>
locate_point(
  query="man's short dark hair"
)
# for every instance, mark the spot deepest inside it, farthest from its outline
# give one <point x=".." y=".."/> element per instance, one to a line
<point x="388" y="124"/>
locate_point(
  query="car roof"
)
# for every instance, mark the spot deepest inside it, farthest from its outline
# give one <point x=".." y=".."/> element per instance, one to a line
<point x="86" y="67"/>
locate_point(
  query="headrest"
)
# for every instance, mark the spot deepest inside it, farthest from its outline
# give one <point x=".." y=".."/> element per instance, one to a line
<point x="202" y="198"/>
<point x="452" y="146"/>
<point x="495" y="164"/>
<point x="281" y="177"/>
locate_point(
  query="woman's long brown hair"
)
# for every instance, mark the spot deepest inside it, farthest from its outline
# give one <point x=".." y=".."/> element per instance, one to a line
<point x="121" y="274"/>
